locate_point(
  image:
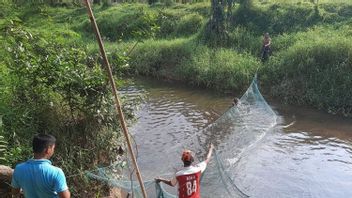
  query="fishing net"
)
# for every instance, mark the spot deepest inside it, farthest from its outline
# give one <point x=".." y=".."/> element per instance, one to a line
<point x="233" y="134"/>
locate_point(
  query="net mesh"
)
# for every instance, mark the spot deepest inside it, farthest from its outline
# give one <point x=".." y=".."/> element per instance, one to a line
<point x="237" y="131"/>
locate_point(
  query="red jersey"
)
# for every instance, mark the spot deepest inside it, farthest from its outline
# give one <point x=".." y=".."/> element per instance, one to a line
<point x="188" y="180"/>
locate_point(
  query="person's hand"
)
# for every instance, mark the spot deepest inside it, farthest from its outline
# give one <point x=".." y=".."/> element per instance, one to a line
<point x="157" y="180"/>
<point x="211" y="146"/>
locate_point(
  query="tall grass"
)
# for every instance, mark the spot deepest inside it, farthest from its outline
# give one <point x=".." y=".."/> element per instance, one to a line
<point x="315" y="71"/>
<point x="279" y="17"/>
<point x="191" y="62"/>
<point x="292" y="2"/>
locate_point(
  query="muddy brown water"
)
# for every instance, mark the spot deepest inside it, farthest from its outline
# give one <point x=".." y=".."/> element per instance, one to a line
<point x="310" y="158"/>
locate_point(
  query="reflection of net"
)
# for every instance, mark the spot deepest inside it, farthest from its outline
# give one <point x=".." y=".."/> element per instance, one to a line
<point x="233" y="133"/>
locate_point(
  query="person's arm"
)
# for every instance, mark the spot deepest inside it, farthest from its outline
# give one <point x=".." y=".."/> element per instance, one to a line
<point x="172" y="182"/>
<point x="65" y="194"/>
<point x="61" y="186"/>
<point x="269" y="42"/>
<point x="209" y="153"/>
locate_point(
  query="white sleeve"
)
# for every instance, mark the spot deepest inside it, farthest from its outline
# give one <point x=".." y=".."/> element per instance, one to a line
<point x="202" y="166"/>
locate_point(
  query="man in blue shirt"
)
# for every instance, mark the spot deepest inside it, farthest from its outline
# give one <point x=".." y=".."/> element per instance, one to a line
<point x="37" y="177"/>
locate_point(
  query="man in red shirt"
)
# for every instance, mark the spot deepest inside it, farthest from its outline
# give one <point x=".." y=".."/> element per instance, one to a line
<point x="188" y="179"/>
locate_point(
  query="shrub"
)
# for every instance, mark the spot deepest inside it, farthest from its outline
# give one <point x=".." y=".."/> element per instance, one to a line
<point x="189" y="24"/>
<point x="55" y="88"/>
<point x="243" y="40"/>
<point x="196" y="64"/>
<point x="313" y="72"/>
<point x="125" y="22"/>
<point x="160" y="58"/>
<point x="222" y="70"/>
<point x="167" y="22"/>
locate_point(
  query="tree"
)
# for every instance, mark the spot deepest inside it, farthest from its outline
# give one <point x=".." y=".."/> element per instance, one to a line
<point x="216" y="33"/>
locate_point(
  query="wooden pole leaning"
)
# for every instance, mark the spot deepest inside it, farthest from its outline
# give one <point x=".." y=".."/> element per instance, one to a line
<point x="117" y="100"/>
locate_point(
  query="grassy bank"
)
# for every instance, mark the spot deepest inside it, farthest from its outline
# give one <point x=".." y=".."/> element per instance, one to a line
<point x="314" y="71"/>
<point x="188" y="61"/>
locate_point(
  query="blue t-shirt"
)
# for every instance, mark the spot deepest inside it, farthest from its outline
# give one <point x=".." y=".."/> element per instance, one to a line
<point x="39" y="179"/>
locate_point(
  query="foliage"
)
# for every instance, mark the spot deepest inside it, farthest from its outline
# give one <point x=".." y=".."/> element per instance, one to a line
<point x="243" y="40"/>
<point x="223" y="70"/>
<point x="60" y="89"/>
<point x="150" y="57"/>
<point x="175" y="24"/>
<point x="313" y="71"/>
<point x="215" y="33"/>
<point x="194" y="63"/>
<point x="167" y="22"/>
<point x="125" y="22"/>
<point x="189" y="24"/>
<point x="282" y="17"/>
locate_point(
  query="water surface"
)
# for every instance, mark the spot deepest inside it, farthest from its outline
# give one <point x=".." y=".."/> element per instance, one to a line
<point x="310" y="158"/>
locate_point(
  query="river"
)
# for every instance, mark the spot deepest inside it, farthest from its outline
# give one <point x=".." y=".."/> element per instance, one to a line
<point x="312" y="157"/>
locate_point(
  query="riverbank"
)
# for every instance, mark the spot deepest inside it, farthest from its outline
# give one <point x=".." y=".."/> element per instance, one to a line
<point x="309" y="58"/>
<point x="310" y="42"/>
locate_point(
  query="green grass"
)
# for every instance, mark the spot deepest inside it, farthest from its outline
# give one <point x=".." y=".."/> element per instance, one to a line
<point x="194" y="63"/>
<point x="314" y="71"/>
<point x="168" y="45"/>
<point x="292" y="2"/>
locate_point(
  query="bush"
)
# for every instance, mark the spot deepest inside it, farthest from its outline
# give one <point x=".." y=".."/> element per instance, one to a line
<point x="313" y="72"/>
<point x="277" y="18"/>
<point x="189" y="24"/>
<point x="125" y="22"/>
<point x="243" y="40"/>
<point x="56" y="88"/>
<point x="160" y="58"/>
<point x="167" y="21"/>
<point x="200" y="8"/>
<point x="223" y="70"/>
<point x="196" y="64"/>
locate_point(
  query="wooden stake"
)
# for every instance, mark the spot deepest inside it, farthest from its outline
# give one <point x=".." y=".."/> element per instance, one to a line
<point x="117" y="100"/>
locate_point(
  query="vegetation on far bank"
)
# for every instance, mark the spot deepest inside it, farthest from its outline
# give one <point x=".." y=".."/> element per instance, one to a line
<point x="51" y="79"/>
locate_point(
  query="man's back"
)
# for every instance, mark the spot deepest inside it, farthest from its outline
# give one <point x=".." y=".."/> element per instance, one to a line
<point x="189" y="181"/>
<point x="38" y="178"/>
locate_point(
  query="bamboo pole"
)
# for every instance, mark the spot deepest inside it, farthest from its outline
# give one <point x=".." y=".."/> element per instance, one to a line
<point x="117" y="100"/>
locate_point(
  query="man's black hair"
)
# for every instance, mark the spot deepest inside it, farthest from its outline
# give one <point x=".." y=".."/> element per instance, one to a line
<point x="42" y="141"/>
<point x="188" y="163"/>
